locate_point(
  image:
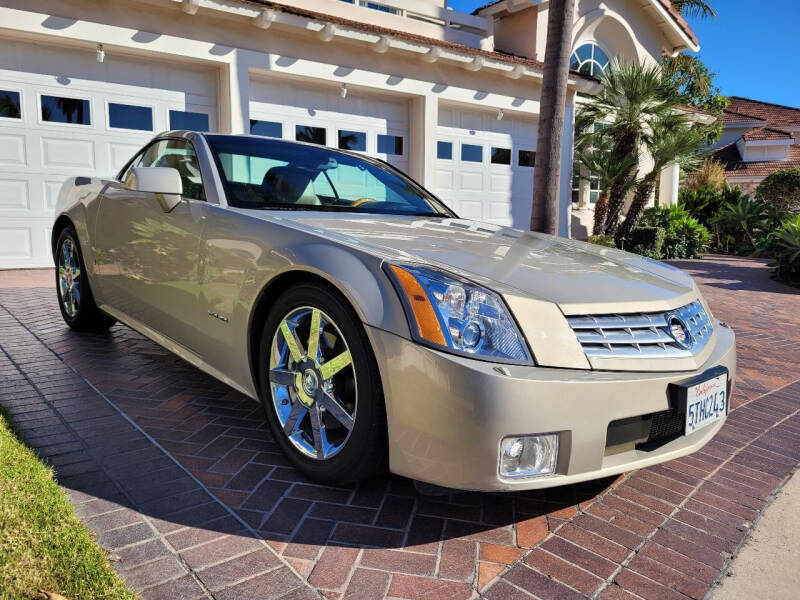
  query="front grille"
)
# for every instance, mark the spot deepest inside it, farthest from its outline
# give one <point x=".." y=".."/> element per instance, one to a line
<point x="641" y="335"/>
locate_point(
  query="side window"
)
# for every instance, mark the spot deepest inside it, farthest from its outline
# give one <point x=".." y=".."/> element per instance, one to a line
<point x="179" y="155"/>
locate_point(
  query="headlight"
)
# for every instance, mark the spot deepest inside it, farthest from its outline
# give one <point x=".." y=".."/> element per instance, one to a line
<point x="458" y="316"/>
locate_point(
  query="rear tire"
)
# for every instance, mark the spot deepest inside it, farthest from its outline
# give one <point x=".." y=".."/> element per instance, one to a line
<point x="75" y="298"/>
<point x="331" y="428"/>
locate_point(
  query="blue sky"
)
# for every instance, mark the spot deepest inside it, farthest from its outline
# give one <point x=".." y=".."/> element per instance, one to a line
<point x="751" y="46"/>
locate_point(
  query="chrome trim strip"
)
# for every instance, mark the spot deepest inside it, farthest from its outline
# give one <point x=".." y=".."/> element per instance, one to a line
<point x="641" y="335"/>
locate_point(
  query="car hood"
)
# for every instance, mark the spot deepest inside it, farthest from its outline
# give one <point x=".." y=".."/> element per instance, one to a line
<point x="580" y="277"/>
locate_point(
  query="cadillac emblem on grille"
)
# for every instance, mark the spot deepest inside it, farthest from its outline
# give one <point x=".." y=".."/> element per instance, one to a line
<point x="679" y="331"/>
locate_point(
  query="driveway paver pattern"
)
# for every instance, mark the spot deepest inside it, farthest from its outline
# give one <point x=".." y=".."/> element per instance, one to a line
<point x="179" y="478"/>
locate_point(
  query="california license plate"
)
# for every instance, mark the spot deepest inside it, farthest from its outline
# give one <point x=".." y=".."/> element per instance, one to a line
<point x="703" y="400"/>
<point x="706" y="402"/>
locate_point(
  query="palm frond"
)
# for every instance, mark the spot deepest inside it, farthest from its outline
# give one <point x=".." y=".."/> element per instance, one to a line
<point x="695" y="8"/>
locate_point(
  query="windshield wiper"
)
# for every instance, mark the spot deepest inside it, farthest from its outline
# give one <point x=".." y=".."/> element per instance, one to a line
<point x="345" y="209"/>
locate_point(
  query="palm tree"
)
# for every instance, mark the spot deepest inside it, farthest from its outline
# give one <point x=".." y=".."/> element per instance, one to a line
<point x="595" y="154"/>
<point x="634" y="97"/>
<point x="544" y="213"/>
<point x="673" y="140"/>
<point x="694" y="8"/>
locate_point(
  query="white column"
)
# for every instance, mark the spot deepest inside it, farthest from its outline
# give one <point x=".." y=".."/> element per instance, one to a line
<point x="668" y="185"/>
<point x="235" y="98"/>
<point x="424" y="121"/>
<point x="584" y="190"/>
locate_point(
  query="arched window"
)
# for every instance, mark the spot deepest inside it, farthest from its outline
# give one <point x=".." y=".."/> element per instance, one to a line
<point x="589" y="59"/>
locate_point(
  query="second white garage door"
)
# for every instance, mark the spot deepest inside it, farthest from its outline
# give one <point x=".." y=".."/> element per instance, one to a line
<point x="64" y="114"/>
<point x="374" y="124"/>
<point x="484" y="166"/>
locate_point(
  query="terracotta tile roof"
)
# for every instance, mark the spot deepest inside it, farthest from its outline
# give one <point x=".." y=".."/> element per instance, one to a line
<point x="766" y="133"/>
<point x="402" y="35"/>
<point x="774" y="114"/>
<point x="736" y="167"/>
<point x="731" y="116"/>
<point x="673" y="13"/>
<point x="676" y="16"/>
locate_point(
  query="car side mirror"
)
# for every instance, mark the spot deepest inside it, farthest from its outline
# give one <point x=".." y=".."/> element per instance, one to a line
<point x="164" y="182"/>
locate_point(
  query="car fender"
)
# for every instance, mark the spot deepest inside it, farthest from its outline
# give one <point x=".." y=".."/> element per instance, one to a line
<point x="358" y="276"/>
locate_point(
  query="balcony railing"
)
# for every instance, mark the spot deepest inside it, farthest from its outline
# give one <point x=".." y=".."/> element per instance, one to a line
<point x="421" y="10"/>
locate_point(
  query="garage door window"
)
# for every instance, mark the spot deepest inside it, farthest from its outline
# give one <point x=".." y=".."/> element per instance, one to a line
<point x="501" y="156"/>
<point x="191" y="121"/>
<point x="129" y="116"/>
<point x="527" y="158"/>
<point x="444" y="150"/>
<point x="471" y="153"/>
<point x="353" y="140"/>
<point x="390" y="144"/>
<point x="312" y="135"/>
<point x="58" y="109"/>
<point x="10" y="106"/>
<point x="266" y="128"/>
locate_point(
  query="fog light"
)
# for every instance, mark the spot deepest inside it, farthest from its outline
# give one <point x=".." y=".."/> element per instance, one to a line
<point x="529" y="455"/>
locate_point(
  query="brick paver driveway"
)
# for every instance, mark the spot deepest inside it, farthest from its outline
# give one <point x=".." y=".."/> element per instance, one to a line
<point x="177" y="475"/>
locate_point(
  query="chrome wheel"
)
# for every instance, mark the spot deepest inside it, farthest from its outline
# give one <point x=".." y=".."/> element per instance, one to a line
<point x="313" y="383"/>
<point x="69" y="278"/>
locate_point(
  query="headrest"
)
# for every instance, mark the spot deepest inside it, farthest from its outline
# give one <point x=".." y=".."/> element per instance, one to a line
<point x="291" y="185"/>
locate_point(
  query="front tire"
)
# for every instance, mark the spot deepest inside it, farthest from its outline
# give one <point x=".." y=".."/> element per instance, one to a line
<point x="75" y="298"/>
<point x="320" y="387"/>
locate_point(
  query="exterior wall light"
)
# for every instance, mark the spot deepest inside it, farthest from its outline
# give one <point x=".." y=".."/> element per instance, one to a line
<point x="343" y="91"/>
<point x="101" y="54"/>
<point x="500" y="114"/>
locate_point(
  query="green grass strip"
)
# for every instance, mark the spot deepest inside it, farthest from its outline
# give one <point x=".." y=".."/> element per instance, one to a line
<point x="43" y="546"/>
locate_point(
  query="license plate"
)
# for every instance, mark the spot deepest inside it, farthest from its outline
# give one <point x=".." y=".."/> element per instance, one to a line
<point x="706" y="402"/>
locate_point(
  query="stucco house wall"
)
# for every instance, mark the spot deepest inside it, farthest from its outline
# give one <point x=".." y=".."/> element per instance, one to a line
<point x="331" y="61"/>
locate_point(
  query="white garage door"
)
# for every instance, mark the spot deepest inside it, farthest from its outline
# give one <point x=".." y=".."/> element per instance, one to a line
<point x="374" y="124"/>
<point x="484" y="166"/>
<point x="64" y="114"/>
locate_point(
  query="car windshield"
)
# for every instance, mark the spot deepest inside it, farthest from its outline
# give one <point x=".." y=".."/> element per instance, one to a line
<point x="274" y="175"/>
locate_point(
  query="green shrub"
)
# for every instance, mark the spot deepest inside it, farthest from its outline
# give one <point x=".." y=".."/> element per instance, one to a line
<point x="785" y="249"/>
<point x="782" y="189"/>
<point x="602" y="240"/>
<point x="703" y="202"/>
<point x="739" y="225"/>
<point x="684" y="236"/>
<point x="647" y="241"/>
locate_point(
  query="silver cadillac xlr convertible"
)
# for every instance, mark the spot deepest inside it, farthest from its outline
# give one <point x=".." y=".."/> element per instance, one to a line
<point x="379" y="330"/>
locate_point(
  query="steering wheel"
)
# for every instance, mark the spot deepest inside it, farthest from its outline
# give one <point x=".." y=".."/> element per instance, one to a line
<point x="361" y="201"/>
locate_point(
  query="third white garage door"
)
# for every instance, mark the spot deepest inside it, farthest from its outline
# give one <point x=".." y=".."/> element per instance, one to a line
<point x="374" y="124"/>
<point x="484" y="166"/>
<point x="63" y="114"/>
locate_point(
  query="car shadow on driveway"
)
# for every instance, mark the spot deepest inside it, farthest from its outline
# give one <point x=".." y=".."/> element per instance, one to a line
<point x="154" y="451"/>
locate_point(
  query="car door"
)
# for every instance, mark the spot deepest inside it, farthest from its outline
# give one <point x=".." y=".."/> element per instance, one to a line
<point x="148" y="254"/>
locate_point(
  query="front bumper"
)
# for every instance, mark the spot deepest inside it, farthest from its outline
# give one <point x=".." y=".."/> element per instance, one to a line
<point x="448" y="414"/>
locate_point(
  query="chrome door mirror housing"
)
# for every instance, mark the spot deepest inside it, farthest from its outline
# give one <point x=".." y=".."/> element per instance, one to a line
<point x="164" y="182"/>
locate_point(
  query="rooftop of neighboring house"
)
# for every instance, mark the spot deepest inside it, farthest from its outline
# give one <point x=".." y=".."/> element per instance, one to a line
<point x="759" y="138"/>
<point x="773" y="114"/>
